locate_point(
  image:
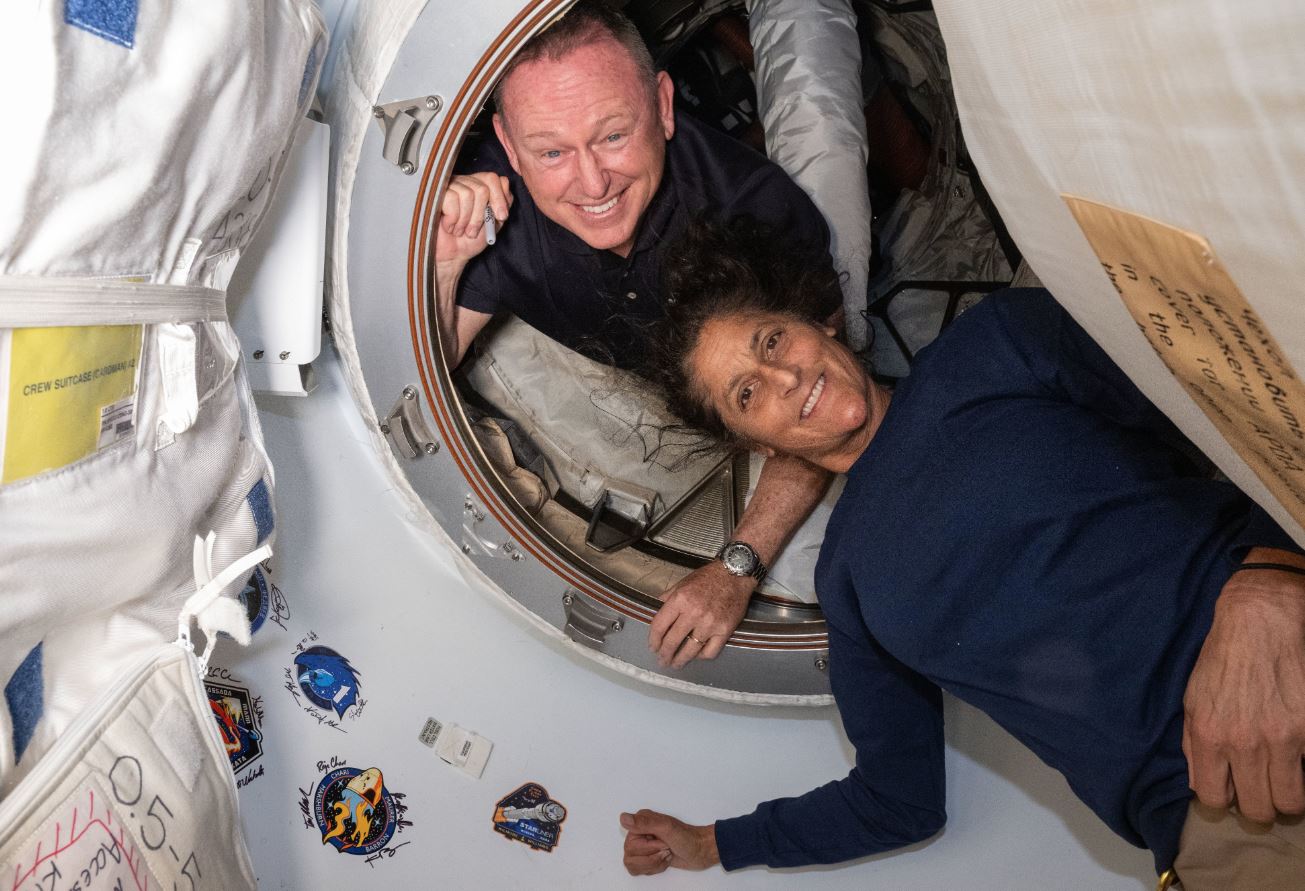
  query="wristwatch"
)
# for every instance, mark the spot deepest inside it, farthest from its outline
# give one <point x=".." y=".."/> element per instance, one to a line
<point x="740" y="559"/>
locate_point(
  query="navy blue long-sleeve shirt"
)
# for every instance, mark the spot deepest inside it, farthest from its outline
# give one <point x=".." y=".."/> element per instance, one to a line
<point x="1028" y="532"/>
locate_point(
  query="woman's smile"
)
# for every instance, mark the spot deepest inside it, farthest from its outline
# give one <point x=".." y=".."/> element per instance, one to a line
<point x="813" y="399"/>
<point x="785" y="385"/>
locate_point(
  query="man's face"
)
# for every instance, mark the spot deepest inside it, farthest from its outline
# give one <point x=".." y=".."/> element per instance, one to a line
<point x="588" y="135"/>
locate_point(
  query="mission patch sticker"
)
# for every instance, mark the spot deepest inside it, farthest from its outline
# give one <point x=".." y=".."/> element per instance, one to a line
<point x="529" y="815"/>
<point x="257" y="599"/>
<point x="354" y="811"/>
<point x="324" y="684"/>
<point x="237" y="721"/>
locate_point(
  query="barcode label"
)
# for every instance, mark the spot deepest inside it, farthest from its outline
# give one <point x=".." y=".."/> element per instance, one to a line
<point x="117" y="420"/>
<point x="430" y="732"/>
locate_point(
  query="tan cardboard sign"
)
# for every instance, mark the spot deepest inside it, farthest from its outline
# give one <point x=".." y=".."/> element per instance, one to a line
<point x="1209" y="337"/>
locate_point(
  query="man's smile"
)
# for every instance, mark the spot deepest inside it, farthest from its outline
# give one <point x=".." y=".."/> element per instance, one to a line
<point x="595" y="210"/>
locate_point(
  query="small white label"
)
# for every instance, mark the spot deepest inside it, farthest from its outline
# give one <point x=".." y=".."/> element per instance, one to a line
<point x="430" y="732"/>
<point x="464" y="749"/>
<point x="117" y="421"/>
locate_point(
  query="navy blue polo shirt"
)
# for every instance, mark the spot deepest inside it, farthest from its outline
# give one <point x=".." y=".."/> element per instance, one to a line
<point x="1029" y="533"/>
<point x="595" y="301"/>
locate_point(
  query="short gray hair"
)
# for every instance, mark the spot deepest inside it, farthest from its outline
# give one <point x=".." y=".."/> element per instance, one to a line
<point x="586" y="23"/>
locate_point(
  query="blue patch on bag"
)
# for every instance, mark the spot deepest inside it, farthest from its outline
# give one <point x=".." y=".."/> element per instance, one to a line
<point x="114" y="20"/>
<point x="25" y="697"/>
<point x="260" y="505"/>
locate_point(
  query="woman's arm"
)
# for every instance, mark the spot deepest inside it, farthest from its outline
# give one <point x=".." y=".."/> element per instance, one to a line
<point x="701" y="611"/>
<point x="894" y="796"/>
<point x="1244" y="726"/>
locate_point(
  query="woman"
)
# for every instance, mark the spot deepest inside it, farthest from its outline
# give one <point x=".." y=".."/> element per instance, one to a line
<point x="1021" y="528"/>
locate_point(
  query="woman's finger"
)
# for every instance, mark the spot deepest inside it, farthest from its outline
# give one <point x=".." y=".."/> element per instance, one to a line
<point x="644" y="845"/>
<point x="1287" y="779"/>
<point x="689" y="649"/>
<point x="714" y="646"/>
<point x="649" y="865"/>
<point x="674" y="639"/>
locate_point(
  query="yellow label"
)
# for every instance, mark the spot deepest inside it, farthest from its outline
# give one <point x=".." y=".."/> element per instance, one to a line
<point x="71" y="391"/>
<point x="1209" y="337"/>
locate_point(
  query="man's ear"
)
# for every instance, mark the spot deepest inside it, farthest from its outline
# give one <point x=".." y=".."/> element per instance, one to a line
<point x="666" y="104"/>
<point x="500" y="129"/>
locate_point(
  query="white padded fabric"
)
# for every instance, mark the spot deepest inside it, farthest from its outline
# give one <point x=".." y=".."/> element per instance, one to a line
<point x="1184" y="111"/>
<point x="809" y="92"/>
<point x="141" y="776"/>
<point x="148" y="162"/>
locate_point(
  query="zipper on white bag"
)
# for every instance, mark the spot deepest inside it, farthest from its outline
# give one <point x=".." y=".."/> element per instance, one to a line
<point x="74" y="737"/>
<point x="207" y="607"/>
<point x="36" y="784"/>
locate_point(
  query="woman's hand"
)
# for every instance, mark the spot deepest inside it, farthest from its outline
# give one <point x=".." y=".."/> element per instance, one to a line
<point x="1244" y="728"/>
<point x="655" y="841"/>
<point x="698" y="615"/>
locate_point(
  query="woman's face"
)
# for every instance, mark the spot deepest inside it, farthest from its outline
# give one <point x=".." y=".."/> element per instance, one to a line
<point x="787" y="386"/>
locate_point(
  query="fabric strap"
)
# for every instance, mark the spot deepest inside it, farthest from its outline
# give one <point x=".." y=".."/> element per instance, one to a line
<point x="35" y="302"/>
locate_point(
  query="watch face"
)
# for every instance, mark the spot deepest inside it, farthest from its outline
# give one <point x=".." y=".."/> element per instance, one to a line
<point x="739" y="559"/>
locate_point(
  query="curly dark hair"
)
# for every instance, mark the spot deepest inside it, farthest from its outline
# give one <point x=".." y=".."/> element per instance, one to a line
<point x="589" y="21"/>
<point x="716" y="269"/>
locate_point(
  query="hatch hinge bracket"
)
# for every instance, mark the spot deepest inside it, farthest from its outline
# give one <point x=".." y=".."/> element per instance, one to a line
<point x="587" y="622"/>
<point x="403" y="124"/>
<point x="405" y="428"/>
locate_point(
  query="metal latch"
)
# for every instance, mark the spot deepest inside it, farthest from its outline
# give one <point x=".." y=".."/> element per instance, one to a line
<point x="404" y="125"/>
<point x="406" y="429"/>
<point x="588" y="623"/>
<point x="619" y="519"/>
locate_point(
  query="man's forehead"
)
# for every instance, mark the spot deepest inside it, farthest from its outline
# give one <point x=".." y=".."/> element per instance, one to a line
<point x="542" y="127"/>
<point x="600" y="70"/>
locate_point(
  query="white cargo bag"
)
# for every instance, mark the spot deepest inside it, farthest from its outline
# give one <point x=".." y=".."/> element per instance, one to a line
<point x="145" y="141"/>
<point x="137" y="793"/>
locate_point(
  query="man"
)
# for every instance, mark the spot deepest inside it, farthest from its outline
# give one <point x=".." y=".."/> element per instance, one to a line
<point x="591" y="172"/>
